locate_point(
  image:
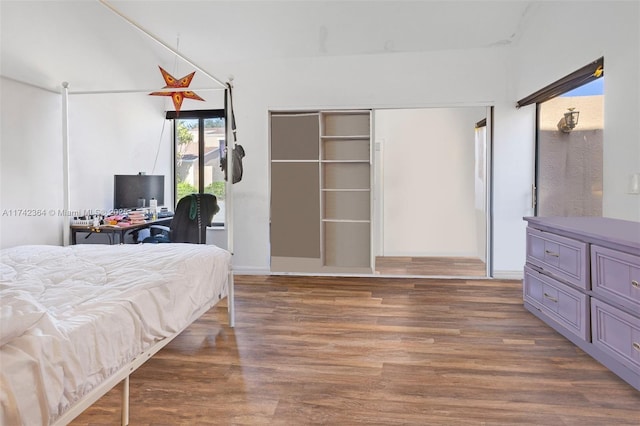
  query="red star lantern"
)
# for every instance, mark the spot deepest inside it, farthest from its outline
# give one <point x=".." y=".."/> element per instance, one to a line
<point x="174" y="83"/>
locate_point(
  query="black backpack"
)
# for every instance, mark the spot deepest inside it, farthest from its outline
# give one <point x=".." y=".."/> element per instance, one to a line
<point x="238" y="155"/>
<point x="238" y="150"/>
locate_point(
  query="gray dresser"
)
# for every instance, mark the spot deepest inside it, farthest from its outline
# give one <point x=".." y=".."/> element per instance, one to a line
<point x="582" y="278"/>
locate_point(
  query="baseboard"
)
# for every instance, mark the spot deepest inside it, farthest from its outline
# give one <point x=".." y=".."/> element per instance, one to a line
<point x="508" y="275"/>
<point x="250" y="270"/>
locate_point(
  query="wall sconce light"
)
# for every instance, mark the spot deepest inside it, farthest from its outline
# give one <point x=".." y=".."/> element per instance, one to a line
<point x="569" y="121"/>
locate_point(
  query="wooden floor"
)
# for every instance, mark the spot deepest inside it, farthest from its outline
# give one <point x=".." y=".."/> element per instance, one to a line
<point x="375" y="351"/>
<point x="434" y="266"/>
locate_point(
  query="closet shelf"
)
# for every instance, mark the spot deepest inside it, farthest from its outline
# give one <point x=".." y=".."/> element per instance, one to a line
<point x="347" y="220"/>
<point x="346" y="161"/>
<point x="294" y="161"/>
<point x="346" y="189"/>
<point x="350" y="137"/>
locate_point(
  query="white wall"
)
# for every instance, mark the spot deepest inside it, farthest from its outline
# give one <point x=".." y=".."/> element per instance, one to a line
<point x="108" y="134"/>
<point x="592" y="30"/>
<point x="113" y="134"/>
<point x="121" y="133"/>
<point x="31" y="196"/>
<point x="428" y="181"/>
<point x="397" y="80"/>
<point x="493" y="76"/>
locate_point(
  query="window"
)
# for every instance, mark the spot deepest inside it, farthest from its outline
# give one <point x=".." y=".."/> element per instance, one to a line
<point x="569" y="153"/>
<point x="199" y="139"/>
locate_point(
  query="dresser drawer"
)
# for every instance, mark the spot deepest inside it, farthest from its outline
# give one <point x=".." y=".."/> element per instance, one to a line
<point x="616" y="333"/>
<point x="562" y="257"/>
<point x="616" y="276"/>
<point x="565" y="305"/>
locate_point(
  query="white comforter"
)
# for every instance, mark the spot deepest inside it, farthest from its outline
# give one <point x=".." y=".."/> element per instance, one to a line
<point x="72" y="316"/>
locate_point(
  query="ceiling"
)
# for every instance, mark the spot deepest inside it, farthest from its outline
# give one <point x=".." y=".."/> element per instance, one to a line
<point x="116" y="45"/>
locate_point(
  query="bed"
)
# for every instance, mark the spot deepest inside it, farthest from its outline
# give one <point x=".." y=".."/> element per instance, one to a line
<point x="77" y="320"/>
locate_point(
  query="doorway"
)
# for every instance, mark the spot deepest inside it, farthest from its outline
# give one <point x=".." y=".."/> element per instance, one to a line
<point x="431" y="191"/>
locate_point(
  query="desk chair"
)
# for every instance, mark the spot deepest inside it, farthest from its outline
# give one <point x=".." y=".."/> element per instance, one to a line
<point x="189" y="224"/>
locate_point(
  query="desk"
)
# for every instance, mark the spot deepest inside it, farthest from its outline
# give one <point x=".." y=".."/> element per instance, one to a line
<point x="115" y="230"/>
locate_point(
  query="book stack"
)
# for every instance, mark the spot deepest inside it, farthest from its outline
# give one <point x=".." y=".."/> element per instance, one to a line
<point x="137" y="217"/>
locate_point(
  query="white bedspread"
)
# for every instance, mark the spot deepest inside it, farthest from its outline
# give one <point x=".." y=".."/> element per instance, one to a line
<point x="72" y="316"/>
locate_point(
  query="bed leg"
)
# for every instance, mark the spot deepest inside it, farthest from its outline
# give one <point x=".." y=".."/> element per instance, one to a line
<point x="231" y="303"/>
<point x="125" y="402"/>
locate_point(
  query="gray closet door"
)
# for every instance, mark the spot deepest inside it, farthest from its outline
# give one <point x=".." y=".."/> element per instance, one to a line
<point x="295" y="210"/>
<point x="295" y="187"/>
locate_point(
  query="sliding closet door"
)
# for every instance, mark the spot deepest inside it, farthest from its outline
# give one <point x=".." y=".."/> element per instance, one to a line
<point x="295" y="193"/>
<point x="320" y="192"/>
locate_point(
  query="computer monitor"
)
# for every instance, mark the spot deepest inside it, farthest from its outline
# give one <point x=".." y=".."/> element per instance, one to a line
<point x="129" y="191"/>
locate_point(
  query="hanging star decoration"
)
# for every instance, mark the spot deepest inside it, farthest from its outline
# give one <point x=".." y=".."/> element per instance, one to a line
<point x="174" y="83"/>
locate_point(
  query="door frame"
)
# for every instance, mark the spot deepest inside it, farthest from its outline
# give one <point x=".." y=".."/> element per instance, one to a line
<point x="378" y="146"/>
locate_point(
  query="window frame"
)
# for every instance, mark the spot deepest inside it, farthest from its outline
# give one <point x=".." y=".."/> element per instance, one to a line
<point x="578" y="78"/>
<point x="590" y="72"/>
<point x="201" y="116"/>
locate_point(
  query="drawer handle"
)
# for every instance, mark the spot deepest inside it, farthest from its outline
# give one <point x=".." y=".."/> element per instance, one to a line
<point x="635" y="284"/>
<point x="550" y="297"/>
<point x="551" y="253"/>
<point x="636" y="346"/>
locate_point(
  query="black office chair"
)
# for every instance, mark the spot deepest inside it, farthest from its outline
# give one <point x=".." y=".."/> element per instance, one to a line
<point x="193" y="214"/>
